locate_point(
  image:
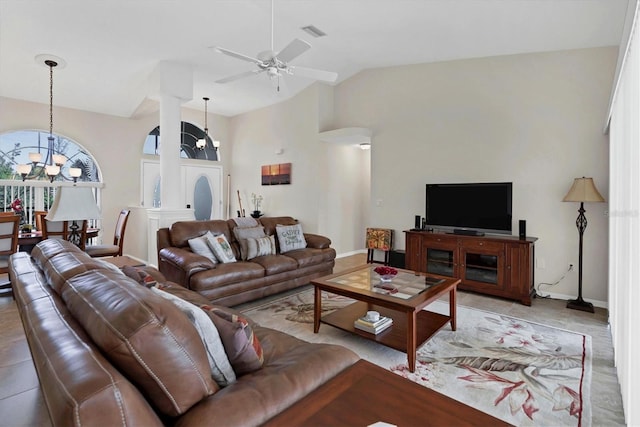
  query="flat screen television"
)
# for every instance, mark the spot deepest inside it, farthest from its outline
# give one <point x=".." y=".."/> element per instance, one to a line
<point x="469" y="208"/>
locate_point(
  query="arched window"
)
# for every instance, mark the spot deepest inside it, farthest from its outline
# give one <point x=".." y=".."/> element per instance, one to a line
<point x="17" y="147"/>
<point x="189" y="134"/>
<point x="33" y="187"/>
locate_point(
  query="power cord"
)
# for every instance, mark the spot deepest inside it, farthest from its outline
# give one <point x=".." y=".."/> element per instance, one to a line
<point x="537" y="293"/>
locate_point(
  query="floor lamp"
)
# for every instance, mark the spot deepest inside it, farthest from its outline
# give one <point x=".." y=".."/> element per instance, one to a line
<point x="582" y="190"/>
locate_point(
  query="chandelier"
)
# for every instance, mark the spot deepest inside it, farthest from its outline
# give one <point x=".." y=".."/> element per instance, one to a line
<point x="202" y="142"/>
<point x="49" y="167"/>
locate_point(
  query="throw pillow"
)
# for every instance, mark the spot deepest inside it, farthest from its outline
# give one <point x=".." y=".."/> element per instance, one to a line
<point x="140" y="276"/>
<point x="221" y="247"/>
<point x="221" y="369"/>
<point x="243" y="348"/>
<point x="200" y="246"/>
<point x="251" y="248"/>
<point x="290" y="237"/>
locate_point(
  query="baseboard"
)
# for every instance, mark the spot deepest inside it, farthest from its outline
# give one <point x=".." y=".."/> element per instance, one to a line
<point x="596" y="303"/>
<point x="346" y="254"/>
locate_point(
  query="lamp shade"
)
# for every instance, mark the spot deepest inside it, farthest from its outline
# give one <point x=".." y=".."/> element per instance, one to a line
<point x="583" y="190"/>
<point x="73" y="203"/>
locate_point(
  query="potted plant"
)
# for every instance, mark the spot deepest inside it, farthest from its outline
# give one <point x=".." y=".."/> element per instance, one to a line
<point x="256" y="199"/>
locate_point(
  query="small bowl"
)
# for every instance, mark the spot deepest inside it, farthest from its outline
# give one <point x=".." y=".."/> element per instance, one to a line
<point x="387" y="277"/>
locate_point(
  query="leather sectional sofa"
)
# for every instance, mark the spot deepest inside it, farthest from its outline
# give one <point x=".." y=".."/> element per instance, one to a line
<point x="109" y="351"/>
<point x="237" y="282"/>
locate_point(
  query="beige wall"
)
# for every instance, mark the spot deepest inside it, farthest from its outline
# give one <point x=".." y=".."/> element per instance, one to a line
<point x="535" y="120"/>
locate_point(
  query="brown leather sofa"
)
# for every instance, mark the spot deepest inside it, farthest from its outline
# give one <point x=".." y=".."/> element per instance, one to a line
<point x="109" y="351"/>
<point x="234" y="283"/>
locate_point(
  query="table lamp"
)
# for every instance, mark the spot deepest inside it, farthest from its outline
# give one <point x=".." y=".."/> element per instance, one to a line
<point x="74" y="204"/>
<point x="582" y="190"/>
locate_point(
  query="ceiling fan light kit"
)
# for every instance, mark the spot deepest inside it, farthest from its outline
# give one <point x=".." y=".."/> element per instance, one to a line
<point x="277" y="64"/>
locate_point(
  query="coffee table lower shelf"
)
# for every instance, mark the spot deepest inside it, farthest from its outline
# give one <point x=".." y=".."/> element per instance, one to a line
<point x="427" y="324"/>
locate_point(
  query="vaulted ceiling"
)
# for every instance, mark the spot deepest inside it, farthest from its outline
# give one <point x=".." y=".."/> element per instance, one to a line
<point x="111" y="47"/>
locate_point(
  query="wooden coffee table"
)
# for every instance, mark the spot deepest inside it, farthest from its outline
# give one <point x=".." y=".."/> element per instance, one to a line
<point x="412" y="325"/>
<point x="364" y="394"/>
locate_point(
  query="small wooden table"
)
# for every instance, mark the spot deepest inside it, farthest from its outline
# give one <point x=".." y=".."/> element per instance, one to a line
<point x="124" y="260"/>
<point x="364" y="394"/>
<point x="412" y="325"/>
<point x="26" y="241"/>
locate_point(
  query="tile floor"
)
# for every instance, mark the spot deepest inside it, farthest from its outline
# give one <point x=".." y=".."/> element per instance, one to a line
<point x="21" y="403"/>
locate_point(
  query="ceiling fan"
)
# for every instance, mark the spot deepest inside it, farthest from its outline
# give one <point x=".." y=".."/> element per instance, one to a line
<point x="277" y="64"/>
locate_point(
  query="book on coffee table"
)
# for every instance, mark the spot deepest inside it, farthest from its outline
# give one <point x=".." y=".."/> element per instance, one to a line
<point x="373" y="327"/>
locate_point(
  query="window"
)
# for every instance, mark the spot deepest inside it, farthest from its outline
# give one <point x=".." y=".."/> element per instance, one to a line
<point x="190" y="133"/>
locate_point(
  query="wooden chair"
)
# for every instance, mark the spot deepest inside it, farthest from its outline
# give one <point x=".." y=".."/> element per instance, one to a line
<point x="39" y="216"/>
<point x="9" y="228"/>
<point x="118" y="239"/>
<point x="64" y="230"/>
<point x="379" y="239"/>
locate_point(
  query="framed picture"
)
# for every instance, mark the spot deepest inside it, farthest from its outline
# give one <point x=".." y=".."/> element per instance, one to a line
<point x="278" y="174"/>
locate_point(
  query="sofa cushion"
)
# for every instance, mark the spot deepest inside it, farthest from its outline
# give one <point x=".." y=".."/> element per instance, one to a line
<point x="221" y="369"/>
<point x="200" y="246"/>
<point x="147" y="337"/>
<point x="63" y="266"/>
<point x="307" y="256"/>
<point x="240" y="343"/>
<point x="290" y="237"/>
<point x="221" y="247"/>
<point x="182" y="231"/>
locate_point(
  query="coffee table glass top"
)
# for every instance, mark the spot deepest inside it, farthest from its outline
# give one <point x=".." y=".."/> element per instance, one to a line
<point x="404" y="285"/>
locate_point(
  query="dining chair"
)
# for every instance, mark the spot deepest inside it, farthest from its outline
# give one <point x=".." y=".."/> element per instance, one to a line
<point x="9" y="227"/>
<point x="39" y="216"/>
<point x="118" y="239"/>
<point x="63" y="230"/>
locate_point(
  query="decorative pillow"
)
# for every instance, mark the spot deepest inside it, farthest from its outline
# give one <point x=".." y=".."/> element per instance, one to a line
<point x="290" y="237"/>
<point x="251" y="248"/>
<point x="221" y="247"/>
<point x="243" y="348"/>
<point x="140" y="276"/>
<point x="200" y="246"/>
<point x="221" y="369"/>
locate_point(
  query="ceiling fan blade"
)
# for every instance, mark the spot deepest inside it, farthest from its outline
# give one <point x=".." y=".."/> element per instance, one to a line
<point x="294" y="49"/>
<point x="237" y="55"/>
<point x="239" y="76"/>
<point x="326" y="76"/>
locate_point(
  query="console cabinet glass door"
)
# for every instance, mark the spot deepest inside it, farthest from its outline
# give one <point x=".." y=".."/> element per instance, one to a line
<point x="441" y="262"/>
<point x="484" y="268"/>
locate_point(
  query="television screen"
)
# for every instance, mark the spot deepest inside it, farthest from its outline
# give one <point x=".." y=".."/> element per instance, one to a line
<point x="484" y="207"/>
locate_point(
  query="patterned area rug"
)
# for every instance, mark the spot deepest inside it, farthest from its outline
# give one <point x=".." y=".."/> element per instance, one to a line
<point x="521" y="372"/>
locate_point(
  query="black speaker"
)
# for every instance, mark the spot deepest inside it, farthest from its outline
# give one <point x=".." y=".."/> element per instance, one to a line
<point x="417" y="225"/>
<point x="396" y="259"/>
<point x="522" y="231"/>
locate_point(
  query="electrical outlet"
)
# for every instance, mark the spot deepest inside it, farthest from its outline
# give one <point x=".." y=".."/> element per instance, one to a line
<point x="570" y="266"/>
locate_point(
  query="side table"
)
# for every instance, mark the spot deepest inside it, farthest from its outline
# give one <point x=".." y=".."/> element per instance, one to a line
<point x="124" y="260"/>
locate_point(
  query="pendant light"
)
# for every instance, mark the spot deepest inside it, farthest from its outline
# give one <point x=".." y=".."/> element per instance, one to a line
<point x="201" y="143"/>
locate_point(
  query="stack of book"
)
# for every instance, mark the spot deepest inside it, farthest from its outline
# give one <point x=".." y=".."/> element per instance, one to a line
<point x="378" y="326"/>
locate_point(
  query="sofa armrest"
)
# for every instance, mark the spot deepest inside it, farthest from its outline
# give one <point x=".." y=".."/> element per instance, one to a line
<point x="316" y="241"/>
<point x="178" y="265"/>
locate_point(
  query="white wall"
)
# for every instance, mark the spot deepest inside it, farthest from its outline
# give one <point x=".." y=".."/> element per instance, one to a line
<point x="534" y="120"/>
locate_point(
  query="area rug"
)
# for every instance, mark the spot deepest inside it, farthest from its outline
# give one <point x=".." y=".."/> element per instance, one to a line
<point x="521" y="372"/>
